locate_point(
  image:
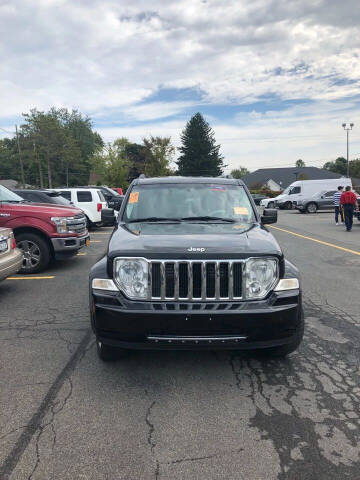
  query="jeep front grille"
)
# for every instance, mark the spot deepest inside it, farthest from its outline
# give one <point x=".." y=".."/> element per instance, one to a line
<point x="195" y="280"/>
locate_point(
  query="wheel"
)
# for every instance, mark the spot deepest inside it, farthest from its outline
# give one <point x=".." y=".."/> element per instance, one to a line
<point x="88" y="223"/>
<point x="311" y="207"/>
<point x="288" y="206"/>
<point x="36" y="252"/>
<point x="284" y="350"/>
<point x="108" y="353"/>
<point x="270" y="205"/>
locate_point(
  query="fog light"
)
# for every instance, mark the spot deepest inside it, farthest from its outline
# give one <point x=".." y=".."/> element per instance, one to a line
<point x="287" y="284"/>
<point x="104" y="284"/>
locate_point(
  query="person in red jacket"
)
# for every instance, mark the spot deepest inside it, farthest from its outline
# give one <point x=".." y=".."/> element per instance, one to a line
<point x="348" y="201"/>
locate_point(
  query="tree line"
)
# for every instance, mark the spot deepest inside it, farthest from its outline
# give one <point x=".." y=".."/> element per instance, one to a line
<point x="60" y="147"/>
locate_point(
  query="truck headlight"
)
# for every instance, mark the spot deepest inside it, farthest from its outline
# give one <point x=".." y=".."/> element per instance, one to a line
<point x="61" y="225"/>
<point x="261" y="275"/>
<point x="131" y="276"/>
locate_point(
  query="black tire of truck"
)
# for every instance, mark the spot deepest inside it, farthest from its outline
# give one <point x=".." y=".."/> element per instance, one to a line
<point x="37" y="254"/>
<point x="108" y="353"/>
<point x="284" y="350"/>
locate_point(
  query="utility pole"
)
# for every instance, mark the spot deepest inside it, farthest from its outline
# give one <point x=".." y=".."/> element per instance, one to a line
<point x="20" y="159"/>
<point x="39" y="165"/>
<point x="347" y="127"/>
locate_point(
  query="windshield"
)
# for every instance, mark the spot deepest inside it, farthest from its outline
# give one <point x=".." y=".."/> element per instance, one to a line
<point x="189" y="202"/>
<point x="7" y="195"/>
<point x="113" y="192"/>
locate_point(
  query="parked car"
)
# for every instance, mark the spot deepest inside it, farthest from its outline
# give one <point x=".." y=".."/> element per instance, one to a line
<point x="43" y="232"/>
<point x="11" y="258"/>
<point x="90" y="200"/>
<point x="191" y="266"/>
<point x="258" y="197"/>
<point x="119" y="190"/>
<point x="267" y="203"/>
<point x="112" y="197"/>
<point x="301" y="189"/>
<point x="43" y="196"/>
<point x="319" y="201"/>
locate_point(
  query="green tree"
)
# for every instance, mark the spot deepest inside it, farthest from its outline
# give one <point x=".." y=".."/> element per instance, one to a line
<point x="239" y="172"/>
<point x="136" y="155"/>
<point x="199" y="153"/>
<point x="299" y="163"/>
<point x="337" y="166"/>
<point x="111" y="163"/>
<point x="159" y="152"/>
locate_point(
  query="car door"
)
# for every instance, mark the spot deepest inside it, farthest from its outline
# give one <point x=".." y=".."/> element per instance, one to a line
<point x="328" y="199"/>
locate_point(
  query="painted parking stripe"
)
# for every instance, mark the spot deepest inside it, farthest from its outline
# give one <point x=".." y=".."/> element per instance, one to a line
<point x="81" y="254"/>
<point x="332" y="245"/>
<point x="95" y="241"/>
<point x="48" y="277"/>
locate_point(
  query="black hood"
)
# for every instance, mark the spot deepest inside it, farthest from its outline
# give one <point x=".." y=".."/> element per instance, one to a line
<point x="182" y="241"/>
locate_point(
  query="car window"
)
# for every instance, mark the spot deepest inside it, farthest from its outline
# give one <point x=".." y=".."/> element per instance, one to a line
<point x="59" y="199"/>
<point x="329" y="194"/>
<point x="66" y="194"/>
<point x="295" y="190"/>
<point x="101" y="196"/>
<point x="84" y="196"/>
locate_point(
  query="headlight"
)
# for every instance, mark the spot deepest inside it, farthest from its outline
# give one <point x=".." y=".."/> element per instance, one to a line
<point x="131" y="276"/>
<point x="261" y="275"/>
<point x="61" y="224"/>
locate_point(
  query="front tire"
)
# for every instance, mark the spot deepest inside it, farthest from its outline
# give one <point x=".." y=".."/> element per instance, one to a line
<point x="311" y="207"/>
<point x="36" y="252"/>
<point x="108" y="353"/>
<point x="270" y="205"/>
<point x="288" y="206"/>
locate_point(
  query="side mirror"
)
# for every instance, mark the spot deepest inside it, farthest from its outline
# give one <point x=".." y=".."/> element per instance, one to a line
<point x="269" y="216"/>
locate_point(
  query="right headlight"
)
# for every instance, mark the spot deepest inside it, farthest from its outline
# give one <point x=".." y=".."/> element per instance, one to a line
<point x="261" y="275"/>
<point x="131" y="276"/>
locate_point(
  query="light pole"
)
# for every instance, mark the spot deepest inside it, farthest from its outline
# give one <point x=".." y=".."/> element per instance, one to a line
<point x="347" y="127"/>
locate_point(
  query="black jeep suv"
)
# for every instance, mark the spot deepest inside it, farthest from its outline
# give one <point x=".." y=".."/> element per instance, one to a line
<point x="190" y="265"/>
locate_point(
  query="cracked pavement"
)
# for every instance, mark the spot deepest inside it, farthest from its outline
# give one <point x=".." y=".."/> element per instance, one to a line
<point x="183" y="415"/>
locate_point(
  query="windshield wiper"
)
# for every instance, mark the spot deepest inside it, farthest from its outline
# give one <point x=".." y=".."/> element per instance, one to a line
<point x="209" y="218"/>
<point x="154" y="219"/>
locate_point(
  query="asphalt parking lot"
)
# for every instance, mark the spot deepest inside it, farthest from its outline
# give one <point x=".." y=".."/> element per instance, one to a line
<point x="183" y="415"/>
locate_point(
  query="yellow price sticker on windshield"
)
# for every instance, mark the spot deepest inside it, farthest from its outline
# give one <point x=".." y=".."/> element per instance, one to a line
<point x="134" y="197"/>
<point x="241" y="211"/>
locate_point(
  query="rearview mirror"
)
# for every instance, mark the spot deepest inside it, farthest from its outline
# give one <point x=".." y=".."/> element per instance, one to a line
<point x="269" y="216"/>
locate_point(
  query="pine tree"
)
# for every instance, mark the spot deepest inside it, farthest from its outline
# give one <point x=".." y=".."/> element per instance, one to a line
<point x="200" y="155"/>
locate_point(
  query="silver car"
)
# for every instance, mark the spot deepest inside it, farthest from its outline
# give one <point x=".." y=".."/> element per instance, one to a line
<point x="11" y="258"/>
<point x="320" y="201"/>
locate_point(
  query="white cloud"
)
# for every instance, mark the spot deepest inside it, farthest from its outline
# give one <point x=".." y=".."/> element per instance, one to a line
<point x="105" y="56"/>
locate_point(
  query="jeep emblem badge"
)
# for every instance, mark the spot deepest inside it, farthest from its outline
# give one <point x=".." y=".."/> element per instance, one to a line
<point x="196" y="249"/>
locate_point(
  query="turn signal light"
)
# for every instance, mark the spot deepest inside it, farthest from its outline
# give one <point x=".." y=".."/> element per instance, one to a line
<point x="99" y="207"/>
<point x="13" y="243"/>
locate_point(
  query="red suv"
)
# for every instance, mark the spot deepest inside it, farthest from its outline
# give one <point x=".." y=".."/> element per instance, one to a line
<point x="42" y="231"/>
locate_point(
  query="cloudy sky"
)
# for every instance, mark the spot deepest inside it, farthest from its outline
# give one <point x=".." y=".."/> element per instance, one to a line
<point x="275" y="78"/>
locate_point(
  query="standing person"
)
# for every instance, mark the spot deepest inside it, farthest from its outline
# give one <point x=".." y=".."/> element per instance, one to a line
<point x="348" y="201"/>
<point x="336" y="200"/>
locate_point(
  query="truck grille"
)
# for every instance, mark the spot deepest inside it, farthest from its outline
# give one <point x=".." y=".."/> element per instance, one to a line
<point x="195" y="280"/>
<point x="77" y="224"/>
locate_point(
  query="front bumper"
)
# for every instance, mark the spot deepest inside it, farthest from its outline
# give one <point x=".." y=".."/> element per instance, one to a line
<point x="10" y="264"/>
<point x="188" y="325"/>
<point x="69" y="245"/>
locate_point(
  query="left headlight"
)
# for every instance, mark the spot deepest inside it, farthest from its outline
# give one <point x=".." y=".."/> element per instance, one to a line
<point x="261" y="275"/>
<point x="61" y="224"/>
<point x="131" y="276"/>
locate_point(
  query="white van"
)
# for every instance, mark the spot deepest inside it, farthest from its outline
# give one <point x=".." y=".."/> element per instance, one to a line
<point x="90" y="200"/>
<point x="300" y="188"/>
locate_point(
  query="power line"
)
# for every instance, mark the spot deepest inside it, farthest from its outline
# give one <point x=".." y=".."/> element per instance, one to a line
<point x="7" y="131"/>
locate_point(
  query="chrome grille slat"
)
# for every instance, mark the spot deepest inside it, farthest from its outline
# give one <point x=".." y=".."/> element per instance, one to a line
<point x="180" y="274"/>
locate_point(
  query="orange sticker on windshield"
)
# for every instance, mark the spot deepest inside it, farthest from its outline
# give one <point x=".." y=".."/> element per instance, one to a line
<point x="241" y="211"/>
<point x="134" y="197"/>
